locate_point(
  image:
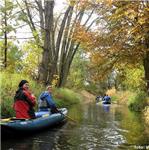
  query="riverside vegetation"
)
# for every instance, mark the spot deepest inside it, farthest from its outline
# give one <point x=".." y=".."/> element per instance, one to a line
<point x="137" y="101"/>
<point x="9" y="84"/>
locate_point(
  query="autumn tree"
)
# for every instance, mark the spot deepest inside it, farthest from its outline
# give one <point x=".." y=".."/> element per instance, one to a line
<point x="123" y="40"/>
<point x="55" y="35"/>
<point x="129" y="25"/>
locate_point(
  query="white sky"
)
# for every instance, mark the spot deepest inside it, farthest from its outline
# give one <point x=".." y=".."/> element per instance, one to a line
<point x="25" y="32"/>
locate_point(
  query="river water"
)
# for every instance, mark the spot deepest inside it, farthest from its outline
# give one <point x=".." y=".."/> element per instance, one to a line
<point x="98" y="128"/>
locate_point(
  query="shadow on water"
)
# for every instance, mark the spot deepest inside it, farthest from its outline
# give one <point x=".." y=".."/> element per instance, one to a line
<point x="99" y="128"/>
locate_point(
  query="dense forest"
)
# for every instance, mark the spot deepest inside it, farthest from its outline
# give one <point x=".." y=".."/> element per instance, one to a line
<point x="94" y="45"/>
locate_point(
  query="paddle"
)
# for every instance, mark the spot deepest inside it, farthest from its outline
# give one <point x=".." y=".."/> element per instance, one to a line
<point x="68" y="117"/>
<point x="5" y="120"/>
<point x="71" y="118"/>
<point x="13" y="118"/>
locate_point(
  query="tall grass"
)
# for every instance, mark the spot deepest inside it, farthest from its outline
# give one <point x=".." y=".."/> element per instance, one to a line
<point x="66" y="97"/>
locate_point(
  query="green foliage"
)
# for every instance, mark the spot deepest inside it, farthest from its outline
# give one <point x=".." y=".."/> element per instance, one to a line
<point x="30" y="61"/>
<point x="22" y="17"/>
<point x="134" y="78"/>
<point x="78" y="71"/>
<point x="114" y="98"/>
<point x="13" y="57"/>
<point x="8" y="7"/>
<point x="137" y="102"/>
<point x="92" y="88"/>
<point x="7" y="108"/>
<point x="9" y="15"/>
<point x="9" y="85"/>
<point x="65" y="97"/>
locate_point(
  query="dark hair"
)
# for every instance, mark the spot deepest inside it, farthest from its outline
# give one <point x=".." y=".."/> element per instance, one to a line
<point x="22" y="83"/>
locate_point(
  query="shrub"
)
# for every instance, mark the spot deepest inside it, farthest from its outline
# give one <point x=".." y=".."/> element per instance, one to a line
<point x="138" y="101"/>
<point x="114" y="98"/>
<point x="65" y="97"/>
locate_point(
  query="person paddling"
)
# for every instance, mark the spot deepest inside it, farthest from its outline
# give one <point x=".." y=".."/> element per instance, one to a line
<point x="46" y="102"/>
<point x="24" y="101"/>
<point x="106" y="99"/>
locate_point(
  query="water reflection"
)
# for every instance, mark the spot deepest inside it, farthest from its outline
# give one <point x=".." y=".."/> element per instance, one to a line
<point x="106" y="108"/>
<point x="134" y="125"/>
<point x="99" y="128"/>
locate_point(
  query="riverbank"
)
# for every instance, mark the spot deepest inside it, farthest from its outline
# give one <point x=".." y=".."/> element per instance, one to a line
<point x="63" y="97"/>
<point x="87" y="97"/>
<point x="96" y="129"/>
<point x="135" y="101"/>
<point x="9" y="83"/>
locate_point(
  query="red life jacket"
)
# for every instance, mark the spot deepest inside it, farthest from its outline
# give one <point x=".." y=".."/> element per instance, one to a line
<point x="24" y="103"/>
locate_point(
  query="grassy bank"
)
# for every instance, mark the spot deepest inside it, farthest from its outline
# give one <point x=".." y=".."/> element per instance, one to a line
<point x="136" y="101"/>
<point x="9" y="84"/>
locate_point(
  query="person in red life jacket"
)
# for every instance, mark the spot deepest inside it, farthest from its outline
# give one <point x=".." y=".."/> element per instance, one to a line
<point x="24" y="101"/>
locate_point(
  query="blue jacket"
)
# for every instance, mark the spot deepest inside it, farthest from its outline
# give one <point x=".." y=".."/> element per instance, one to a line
<point x="46" y="101"/>
<point x="107" y="98"/>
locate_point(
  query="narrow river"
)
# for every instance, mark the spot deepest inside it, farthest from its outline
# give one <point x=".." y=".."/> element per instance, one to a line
<point x="98" y="128"/>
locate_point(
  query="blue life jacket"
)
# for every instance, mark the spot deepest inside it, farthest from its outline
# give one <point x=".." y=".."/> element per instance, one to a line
<point x="46" y="101"/>
<point x="107" y="98"/>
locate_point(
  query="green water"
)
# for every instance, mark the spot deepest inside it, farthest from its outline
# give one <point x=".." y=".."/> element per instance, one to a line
<point x="98" y="128"/>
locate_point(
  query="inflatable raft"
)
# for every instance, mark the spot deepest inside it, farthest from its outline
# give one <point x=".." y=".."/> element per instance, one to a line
<point x="19" y="126"/>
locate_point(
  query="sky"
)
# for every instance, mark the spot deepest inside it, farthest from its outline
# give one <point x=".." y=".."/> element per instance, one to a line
<point x="25" y="31"/>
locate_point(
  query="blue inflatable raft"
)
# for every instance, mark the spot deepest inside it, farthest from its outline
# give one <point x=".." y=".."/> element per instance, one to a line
<point x="43" y="120"/>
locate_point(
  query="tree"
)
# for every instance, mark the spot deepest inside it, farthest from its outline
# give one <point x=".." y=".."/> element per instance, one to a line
<point x="31" y="57"/>
<point x="6" y="16"/>
<point x="78" y="75"/>
<point x="57" y="42"/>
<point x="124" y="39"/>
<point x="8" y="13"/>
<point x="133" y="33"/>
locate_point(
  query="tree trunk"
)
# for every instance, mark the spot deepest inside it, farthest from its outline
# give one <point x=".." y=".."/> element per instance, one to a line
<point x="58" y="51"/>
<point x="69" y="53"/>
<point x="64" y="72"/>
<point x="55" y="50"/>
<point x="146" y="69"/>
<point x="47" y="50"/>
<point x="41" y="16"/>
<point x="6" y="44"/>
<point x="146" y="62"/>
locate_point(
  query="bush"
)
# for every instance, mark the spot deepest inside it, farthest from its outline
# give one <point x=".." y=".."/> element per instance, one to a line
<point x="65" y="97"/>
<point x="138" y="101"/>
<point x="114" y="98"/>
<point x="92" y="88"/>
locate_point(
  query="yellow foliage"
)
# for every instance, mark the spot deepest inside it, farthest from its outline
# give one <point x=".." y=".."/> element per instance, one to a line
<point x="32" y="54"/>
<point x="146" y="114"/>
<point x="111" y="92"/>
<point x="55" y="80"/>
